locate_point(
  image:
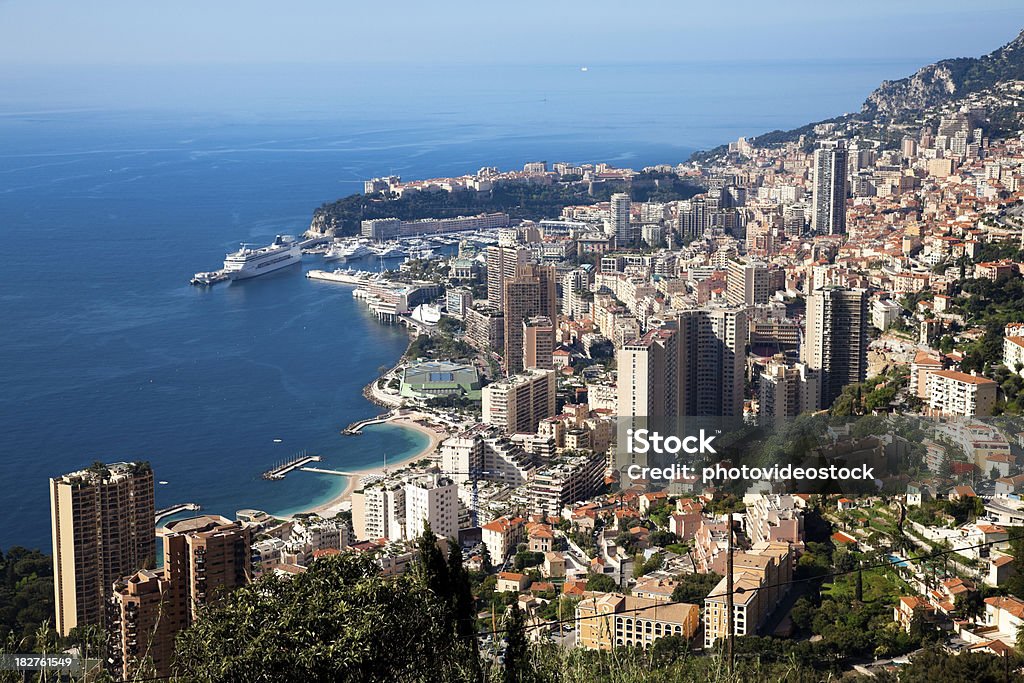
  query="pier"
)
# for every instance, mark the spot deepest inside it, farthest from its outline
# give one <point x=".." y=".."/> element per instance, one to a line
<point x="175" y="509"/>
<point x="320" y="470"/>
<point x="279" y="471"/>
<point x="355" y="427"/>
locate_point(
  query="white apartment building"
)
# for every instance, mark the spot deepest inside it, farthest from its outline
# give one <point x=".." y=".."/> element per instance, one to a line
<point x="482" y="449"/>
<point x="884" y="313"/>
<point x="748" y="284"/>
<point x="378" y="511"/>
<point x="433" y="500"/>
<point x="1013" y="353"/>
<point x="957" y="393"/>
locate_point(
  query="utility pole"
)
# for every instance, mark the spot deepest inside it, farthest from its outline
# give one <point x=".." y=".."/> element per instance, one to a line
<point x="730" y="631"/>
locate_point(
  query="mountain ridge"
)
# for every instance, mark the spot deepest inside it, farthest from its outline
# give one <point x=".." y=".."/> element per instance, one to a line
<point x="946" y="79"/>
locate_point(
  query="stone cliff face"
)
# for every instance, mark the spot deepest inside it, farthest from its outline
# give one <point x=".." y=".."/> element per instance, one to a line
<point x="945" y="80"/>
<point x="929" y="87"/>
<point x="322" y="225"/>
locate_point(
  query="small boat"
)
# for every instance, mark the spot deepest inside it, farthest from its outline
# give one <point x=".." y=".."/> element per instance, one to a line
<point x="278" y="440"/>
<point x="164" y="483"/>
<point x="208" y="278"/>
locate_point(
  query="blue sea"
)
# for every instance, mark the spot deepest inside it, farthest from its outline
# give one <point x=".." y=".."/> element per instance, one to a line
<point x="117" y="185"/>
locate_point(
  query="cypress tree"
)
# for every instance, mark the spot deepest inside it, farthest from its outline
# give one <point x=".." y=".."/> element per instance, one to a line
<point x="463" y="605"/>
<point x="518" y="668"/>
<point x="432" y="568"/>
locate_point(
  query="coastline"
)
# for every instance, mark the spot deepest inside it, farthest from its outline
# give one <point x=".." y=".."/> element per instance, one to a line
<point x="342" y="501"/>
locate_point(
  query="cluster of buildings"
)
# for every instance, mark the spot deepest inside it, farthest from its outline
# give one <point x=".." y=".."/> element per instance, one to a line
<point x="107" y="573"/>
<point x="756" y="297"/>
<point x="759" y="296"/>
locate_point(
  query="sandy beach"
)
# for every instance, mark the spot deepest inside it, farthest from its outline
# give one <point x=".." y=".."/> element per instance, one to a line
<point x="342" y="501"/>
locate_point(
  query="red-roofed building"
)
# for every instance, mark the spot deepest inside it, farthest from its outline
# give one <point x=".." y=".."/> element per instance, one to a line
<point x="511" y="582"/>
<point x="1000" y="569"/>
<point x="957" y="393"/>
<point x="1006" y="614"/>
<point x="907" y="607"/>
<point x="1013" y="353"/>
<point x="501" y="536"/>
<point x="960" y="492"/>
<point x="541" y="539"/>
<point x="843" y="538"/>
<point x="649" y="500"/>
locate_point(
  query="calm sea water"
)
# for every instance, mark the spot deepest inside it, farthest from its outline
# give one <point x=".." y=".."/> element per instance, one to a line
<point x="116" y="187"/>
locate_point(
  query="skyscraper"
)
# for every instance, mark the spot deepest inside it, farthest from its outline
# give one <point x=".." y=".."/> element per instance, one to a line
<point x="829" y="210"/>
<point x="103" y="528"/>
<point x="748" y="284"/>
<point x="692" y="218"/>
<point x="619" y="218"/>
<point x="530" y="293"/>
<point x="836" y="339"/>
<point x="691" y="366"/>
<point x="538" y="342"/>
<point x="648" y="374"/>
<point x="575" y="284"/>
<point x="502" y="261"/>
<point x="204" y="558"/>
<point x="520" y="402"/>
<point x="713" y="349"/>
<point x="786" y="390"/>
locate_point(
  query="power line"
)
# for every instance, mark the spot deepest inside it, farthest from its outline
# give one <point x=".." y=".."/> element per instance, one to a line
<point x="738" y="591"/>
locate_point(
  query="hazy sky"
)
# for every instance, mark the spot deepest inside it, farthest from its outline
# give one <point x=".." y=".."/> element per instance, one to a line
<point x="136" y="32"/>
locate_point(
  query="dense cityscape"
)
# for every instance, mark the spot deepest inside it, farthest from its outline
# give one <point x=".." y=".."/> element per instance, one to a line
<point x="860" y="280"/>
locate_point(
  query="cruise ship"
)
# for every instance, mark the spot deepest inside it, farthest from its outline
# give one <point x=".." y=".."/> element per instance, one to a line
<point x="249" y="262"/>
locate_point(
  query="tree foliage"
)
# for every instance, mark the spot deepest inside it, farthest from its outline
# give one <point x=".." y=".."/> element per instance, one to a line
<point x="693" y="588"/>
<point x="26" y="592"/>
<point x="601" y="583"/>
<point x="339" y="621"/>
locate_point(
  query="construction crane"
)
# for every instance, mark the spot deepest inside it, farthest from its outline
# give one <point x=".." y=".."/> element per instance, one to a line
<point x="474" y="478"/>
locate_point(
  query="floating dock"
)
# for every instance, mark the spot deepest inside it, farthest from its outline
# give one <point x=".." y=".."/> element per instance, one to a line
<point x="280" y="470"/>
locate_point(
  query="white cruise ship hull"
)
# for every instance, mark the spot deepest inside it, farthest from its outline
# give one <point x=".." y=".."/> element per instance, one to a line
<point x="248" y="263"/>
<point x="264" y="268"/>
